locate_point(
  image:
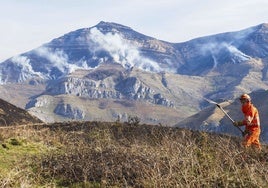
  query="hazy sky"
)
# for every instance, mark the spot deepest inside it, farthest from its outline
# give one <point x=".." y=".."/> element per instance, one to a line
<point x="27" y="24"/>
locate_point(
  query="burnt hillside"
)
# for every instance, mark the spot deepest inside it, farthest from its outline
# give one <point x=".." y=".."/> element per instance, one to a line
<point x="12" y="115"/>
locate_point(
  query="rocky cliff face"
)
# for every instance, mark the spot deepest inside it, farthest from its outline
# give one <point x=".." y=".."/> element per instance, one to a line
<point x="67" y="110"/>
<point x="97" y="85"/>
<point x="82" y="87"/>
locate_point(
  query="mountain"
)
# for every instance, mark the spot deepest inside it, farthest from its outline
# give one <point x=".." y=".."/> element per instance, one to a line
<point x="209" y="54"/>
<point x="12" y="115"/>
<point x="86" y="49"/>
<point x="110" y="71"/>
<point x="212" y="119"/>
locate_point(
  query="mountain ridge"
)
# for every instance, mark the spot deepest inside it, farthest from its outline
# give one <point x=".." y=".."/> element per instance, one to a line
<point x="113" y="62"/>
<point x="73" y="38"/>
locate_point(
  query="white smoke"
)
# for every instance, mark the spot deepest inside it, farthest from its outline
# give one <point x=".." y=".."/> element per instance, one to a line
<point x="121" y="50"/>
<point x="215" y="48"/>
<point x="60" y="60"/>
<point x="26" y="69"/>
<point x="58" y="57"/>
<point x="238" y="53"/>
<point x="215" y="61"/>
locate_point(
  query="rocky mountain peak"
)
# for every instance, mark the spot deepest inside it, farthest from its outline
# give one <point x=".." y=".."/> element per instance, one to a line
<point x="110" y="26"/>
<point x="263" y="28"/>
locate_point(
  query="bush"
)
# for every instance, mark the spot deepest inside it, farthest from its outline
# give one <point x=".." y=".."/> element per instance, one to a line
<point x="133" y="120"/>
<point x="14" y="142"/>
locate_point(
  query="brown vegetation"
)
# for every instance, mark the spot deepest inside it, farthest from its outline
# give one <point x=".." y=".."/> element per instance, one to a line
<point x="12" y="115"/>
<point x="100" y="154"/>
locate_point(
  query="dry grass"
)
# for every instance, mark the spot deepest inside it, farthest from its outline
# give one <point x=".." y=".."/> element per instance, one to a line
<point x="99" y="154"/>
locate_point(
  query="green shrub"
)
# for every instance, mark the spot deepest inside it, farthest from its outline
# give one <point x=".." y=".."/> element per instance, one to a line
<point x="14" y="142"/>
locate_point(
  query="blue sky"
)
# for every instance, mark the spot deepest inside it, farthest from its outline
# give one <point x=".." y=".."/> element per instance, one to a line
<point x="27" y="24"/>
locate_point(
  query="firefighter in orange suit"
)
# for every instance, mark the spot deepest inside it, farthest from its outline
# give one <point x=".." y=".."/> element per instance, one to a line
<point x="251" y="122"/>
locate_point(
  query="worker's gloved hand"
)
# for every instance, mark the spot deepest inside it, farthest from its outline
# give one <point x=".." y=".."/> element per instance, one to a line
<point x="247" y="132"/>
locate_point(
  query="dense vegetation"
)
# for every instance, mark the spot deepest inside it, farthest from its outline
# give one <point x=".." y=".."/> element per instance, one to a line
<point x="102" y="154"/>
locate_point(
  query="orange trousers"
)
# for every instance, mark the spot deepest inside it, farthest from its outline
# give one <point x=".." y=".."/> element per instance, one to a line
<point x="253" y="138"/>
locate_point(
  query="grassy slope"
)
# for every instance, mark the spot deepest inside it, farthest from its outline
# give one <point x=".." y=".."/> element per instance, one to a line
<point x="117" y="154"/>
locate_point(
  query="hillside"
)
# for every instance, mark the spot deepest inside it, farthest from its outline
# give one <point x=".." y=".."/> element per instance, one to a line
<point x="127" y="154"/>
<point x="12" y="115"/>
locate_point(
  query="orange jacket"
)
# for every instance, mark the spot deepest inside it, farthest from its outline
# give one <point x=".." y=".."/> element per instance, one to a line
<point x="251" y="117"/>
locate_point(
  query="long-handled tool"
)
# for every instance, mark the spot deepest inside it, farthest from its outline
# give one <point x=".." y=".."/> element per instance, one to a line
<point x="212" y="102"/>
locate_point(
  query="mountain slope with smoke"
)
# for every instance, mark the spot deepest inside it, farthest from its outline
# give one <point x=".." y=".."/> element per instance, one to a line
<point x="113" y="43"/>
<point x="87" y="49"/>
<point x="111" y="62"/>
